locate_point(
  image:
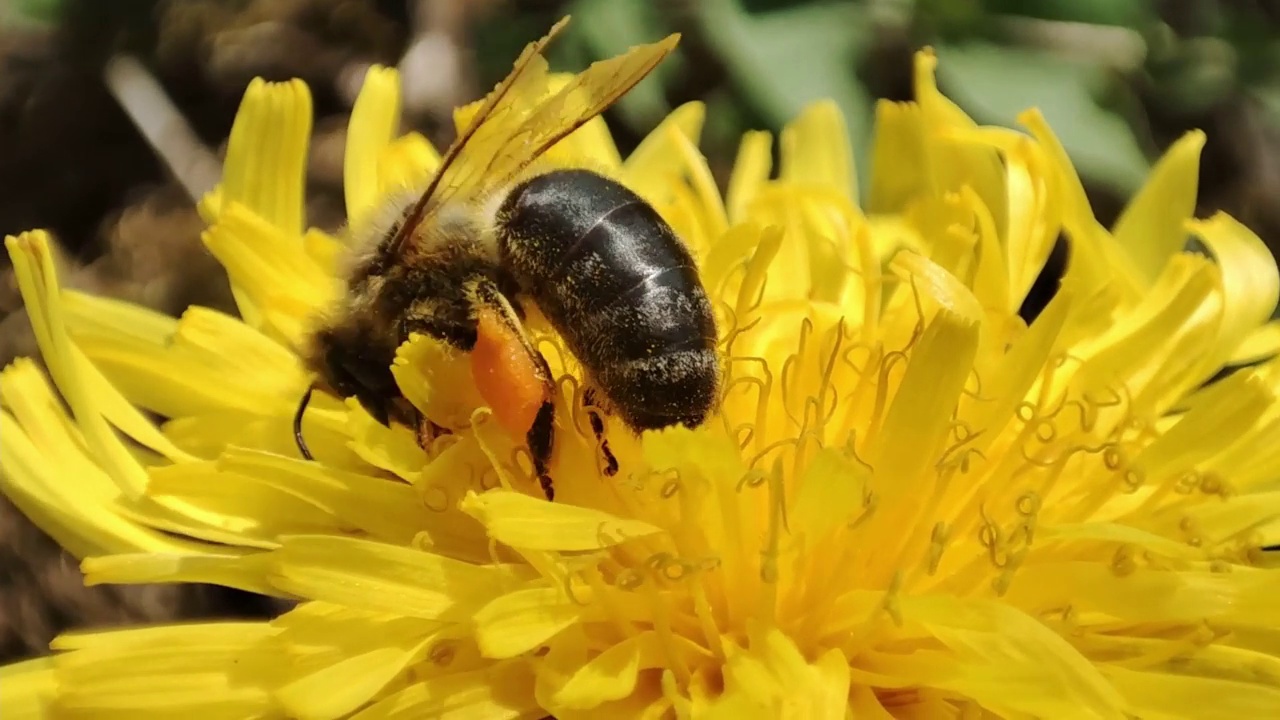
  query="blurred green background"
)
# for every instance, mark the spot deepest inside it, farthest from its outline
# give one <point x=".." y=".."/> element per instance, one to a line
<point x="1119" y="80"/>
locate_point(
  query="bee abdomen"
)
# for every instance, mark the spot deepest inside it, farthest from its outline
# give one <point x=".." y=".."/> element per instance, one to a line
<point x="653" y="354"/>
<point x="620" y="288"/>
<point x="655" y="392"/>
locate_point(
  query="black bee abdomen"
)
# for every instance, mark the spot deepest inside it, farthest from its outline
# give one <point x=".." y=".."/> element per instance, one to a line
<point x="622" y="290"/>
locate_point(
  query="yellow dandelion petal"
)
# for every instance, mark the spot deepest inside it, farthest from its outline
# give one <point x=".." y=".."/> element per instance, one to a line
<point x="1261" y="343"/>
<point x="1174" y="695"/>
<point x="821" y="505"/>
<point x="1020" y="368"/>
<point x="29" y="687"/>
<point x="614" y="673"/>
<point x="702" y="197"/>
<point x="777" y="681"/>
<point x="264" y="171"/>
<point x="375" y="118"/>
<point x="324" y="249"/>
<point x="90" y="317"/>
<point x="267" y="269"/>
<point x="810" y="201"/>
<point x="437" y="380"/>
<point x="519" y="621"/>
<point x="325" y="424"/>
<point x="298" y="498"/>
<point x="1249" y="463"/>
<point x="1150" y="230"/>
<point x="228" y="503"/>
<point x="521" y="521"/>
<point x="1035" y="214"/>
<point x="115" y="478"/>
<point x="990" y="282"/>
<point x="751" y="170"/>
<point x="380" y="577"/>
<point x="1034" y="205"/>
<point x="1002" y="645"/>
<point x="405" y="165"/>
<point x="1220" y="522"/>
<point x="1249" y="281"/>
<point x="815" y="150"/>
<point x="1151" y="595"/>
<point x="267" y="153"/>
<point x="1100" y="260"/>
<point x="897" y="161"/>
<point x="246" y="571"/>
<point x="161" y="671"/>
<point x="1212" y="420"/>
<point x="916" y="421"/>
<point x="648" y="169"/>
<point x="394" y="449"/>
<point x="501" y="691"/>
<point x="340" y="688"/>
<point x="178" y="368"/>
<point x="954" y="164"/>
<point x="31" y="438"/>
<point x="383" y="508"/>
<point x="33" y="266"/>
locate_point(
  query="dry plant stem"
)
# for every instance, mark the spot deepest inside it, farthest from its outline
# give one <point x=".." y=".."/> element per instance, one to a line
<point x="163" y="126"/>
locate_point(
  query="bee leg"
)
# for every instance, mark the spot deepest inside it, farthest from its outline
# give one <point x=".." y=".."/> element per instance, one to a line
<point x="513" y="377"/>
<point x="541" y="440"/>
<point x="595" y="409"/>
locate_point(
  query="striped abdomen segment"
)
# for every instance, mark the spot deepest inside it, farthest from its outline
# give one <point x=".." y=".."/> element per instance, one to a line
<point x="620" y="288"/>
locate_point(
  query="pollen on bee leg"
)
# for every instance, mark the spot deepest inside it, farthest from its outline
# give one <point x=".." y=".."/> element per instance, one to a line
<point x="507" y="376"/>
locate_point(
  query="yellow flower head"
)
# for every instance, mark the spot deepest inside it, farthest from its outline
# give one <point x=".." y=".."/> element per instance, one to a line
<point x="910" y="503"/>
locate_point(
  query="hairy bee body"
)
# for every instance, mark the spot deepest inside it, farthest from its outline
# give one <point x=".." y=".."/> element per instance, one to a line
<point x="387" y="300"/>
<point x="487" y="233"/>
<point x="620" y="288"/>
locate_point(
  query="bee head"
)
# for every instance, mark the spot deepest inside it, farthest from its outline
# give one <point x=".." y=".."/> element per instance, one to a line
<point x="353" y="365"/>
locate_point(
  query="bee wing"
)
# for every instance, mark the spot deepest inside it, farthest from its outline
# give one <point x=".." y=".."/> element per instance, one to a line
<point x="521" y="88"/>
<point x="515" y="125"/>
<point x="493" y="164"/>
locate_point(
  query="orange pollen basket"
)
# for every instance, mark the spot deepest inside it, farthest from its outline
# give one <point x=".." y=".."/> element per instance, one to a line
<point x="506" y="376"/>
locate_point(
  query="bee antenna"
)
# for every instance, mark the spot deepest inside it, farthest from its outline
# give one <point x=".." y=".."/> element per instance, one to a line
<point x="297" y="422"/>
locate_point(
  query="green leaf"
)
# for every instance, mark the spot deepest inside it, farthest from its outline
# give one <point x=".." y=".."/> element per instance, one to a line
<point x="784" y="60"/>
<point x="994" y="84"/>
<point x="757" y="6"/>
<point x="1269" y="97"/>
<point x="1126" y="13"/>
<point x="32" y="11"/>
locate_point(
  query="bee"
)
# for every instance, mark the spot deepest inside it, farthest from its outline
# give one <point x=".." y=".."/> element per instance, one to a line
<point x="494" y="231"/>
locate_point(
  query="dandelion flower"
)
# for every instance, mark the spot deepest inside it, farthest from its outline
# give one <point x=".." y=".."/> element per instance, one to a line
<point x="910" y="504"/>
